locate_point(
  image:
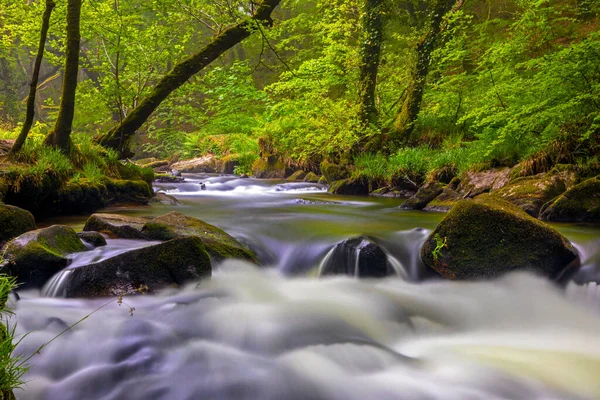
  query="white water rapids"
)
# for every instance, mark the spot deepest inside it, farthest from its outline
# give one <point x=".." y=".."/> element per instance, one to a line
<point x="280" y="333"/>
<point x="251" y="334"/>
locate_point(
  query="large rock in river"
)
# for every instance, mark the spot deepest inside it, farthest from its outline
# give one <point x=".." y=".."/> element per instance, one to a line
<point x="145" y="270"/>
<point x="218" y="243"/>
<point x="488" y="237"/>
<point x="581" y="203"/>
<point x="360" y="257"/>
<point x="206" y="164"/>
<point x="116" y="225"/>
<point x="14" y="221"/>
<point x="37" y="255"/>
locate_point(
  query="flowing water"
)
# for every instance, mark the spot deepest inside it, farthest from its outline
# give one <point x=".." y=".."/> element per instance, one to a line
<point x="278" y="332"/>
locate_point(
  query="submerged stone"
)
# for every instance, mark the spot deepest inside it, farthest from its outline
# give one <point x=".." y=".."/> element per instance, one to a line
<point x="37" y="255"/>
<point x="360" y="257"/>
<point x="146" y="270"/>
<point x="487" y="237"/>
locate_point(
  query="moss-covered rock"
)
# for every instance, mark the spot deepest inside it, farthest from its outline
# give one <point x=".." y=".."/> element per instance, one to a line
<point x="356" y="186"/>
<point x="165" y="199"/>
<point x="145" y="270"/>
<point x="168" y="178"/>
<point x="268" y="168"/>
<point x="322" y="180"/>
<point x="333" y="172"/>
<point x="424" y="196"/>
<point x="14" y="221"/>
<point x="581" y="203"/>
<point x="532" y="192"/>
<point x="37" y="255"/>
<point x="312" y="177"/>
<point x="93" y="238"/>
<point x="116" y="225"/>
<point x="218" y="243"/>
<point x="297" y="176"/>
<point x="122" y="191"/>
<point x="487" y="237"/>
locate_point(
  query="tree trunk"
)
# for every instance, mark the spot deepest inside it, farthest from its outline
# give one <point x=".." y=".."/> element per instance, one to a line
<point x="370" y="55"/>
<point x="60" y="137"/>
<point x="120" y="136"/>
<point x="404" y="124"/>
<point x="34" y="79"/>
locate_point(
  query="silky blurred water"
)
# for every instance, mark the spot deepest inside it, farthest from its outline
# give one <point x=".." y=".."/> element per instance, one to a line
<point x="277" y="332"/>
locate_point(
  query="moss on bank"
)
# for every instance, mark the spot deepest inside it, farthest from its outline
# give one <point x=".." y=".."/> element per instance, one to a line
<point x="11" y="370"/>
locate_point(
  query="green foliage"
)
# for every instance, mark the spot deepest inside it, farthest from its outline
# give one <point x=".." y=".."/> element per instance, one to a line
<point x="439" y="245"/>
<point x="11" y="367"/>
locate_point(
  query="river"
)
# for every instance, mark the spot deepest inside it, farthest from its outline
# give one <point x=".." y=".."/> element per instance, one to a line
<point x="279" y="332"/>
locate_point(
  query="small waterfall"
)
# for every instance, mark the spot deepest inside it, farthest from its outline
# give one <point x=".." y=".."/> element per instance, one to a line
<point x="587" y="294"/>
<point x="55" y="287"/>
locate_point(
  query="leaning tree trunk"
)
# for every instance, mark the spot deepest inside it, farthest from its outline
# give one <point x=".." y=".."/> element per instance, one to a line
<point x="370" y="55"/>
<point x="50" y="4"/>
<point x="60" y="137"/>
<point x="120" y="136"/>
<point x="404" y="124"/>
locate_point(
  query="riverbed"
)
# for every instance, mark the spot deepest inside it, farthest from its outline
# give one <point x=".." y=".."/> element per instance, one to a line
<point x="279" y="332"/>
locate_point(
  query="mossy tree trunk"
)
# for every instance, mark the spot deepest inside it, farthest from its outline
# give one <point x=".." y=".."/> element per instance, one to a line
<point x="405" y="120"/>
<point x="370" y="55"/>
<point x="120" y="136"/>
<point x="50" y="4"/>
<point x="60" y="136"/>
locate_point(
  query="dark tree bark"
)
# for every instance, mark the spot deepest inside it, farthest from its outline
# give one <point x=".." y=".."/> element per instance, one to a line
<point x="50" y="4"/>
<point x="119" y="138"/>
<point x="370" y="56"/>
<point x="404" y="124"/>
<point x="60" y="137"/>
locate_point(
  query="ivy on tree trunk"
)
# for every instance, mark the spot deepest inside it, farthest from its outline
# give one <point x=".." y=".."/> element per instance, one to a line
<point x="60" y="137"/>
<point x="370" y="55"/>
<point x="50" y="4"/>
<point x="405" y="120"/>
<point x="119" y="137"/>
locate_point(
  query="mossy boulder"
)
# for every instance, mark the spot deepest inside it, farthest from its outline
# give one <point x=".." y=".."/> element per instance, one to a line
<point x="146" y="270"/>
<point x="269" y="168"/>
<point x="37" y="255"/>
<point x="312" y="177"/>
<point x="218" y="243"/>
<point x="487" y="237"/>
<point x="360" y="257"/>
<point x="95" y="239"/>
<point x="168" y="178"/>
<point x="581" y="203"/>
<point x="391" y="191"/>
<point x="333" y="172"/>
<point x="322" y="180"/>
<point x="532" y="192"/>
<point x="354" y="186"/>
<point x="297" y="176"/>
<point x="116" y="225"/>
<point x="14" y="221"/>
<point x="128" y="191"/>
<point x="424" y="196"/>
